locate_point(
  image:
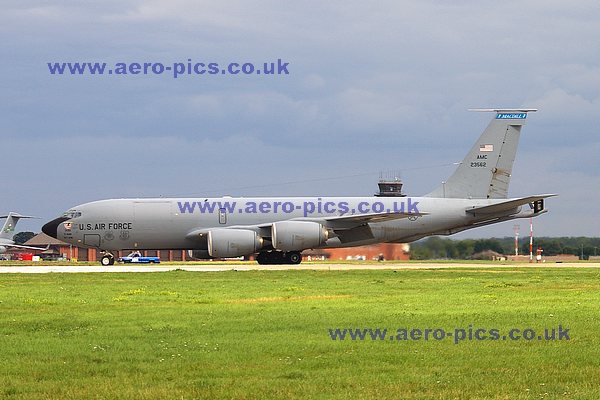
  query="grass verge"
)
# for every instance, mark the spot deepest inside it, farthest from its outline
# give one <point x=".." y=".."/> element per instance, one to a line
<point x="265" y="334"/>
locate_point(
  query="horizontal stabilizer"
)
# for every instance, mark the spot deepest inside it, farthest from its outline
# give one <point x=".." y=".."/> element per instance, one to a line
<point x="509" y="205"/>
<point x="16" y="215"/>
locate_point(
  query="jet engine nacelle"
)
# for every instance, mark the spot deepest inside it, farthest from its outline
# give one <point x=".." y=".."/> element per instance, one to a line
<point x="2" y="249"/>
<point x="233" y="242"/>
<point x="298" y="235"/>
<point x="198" y="254"/>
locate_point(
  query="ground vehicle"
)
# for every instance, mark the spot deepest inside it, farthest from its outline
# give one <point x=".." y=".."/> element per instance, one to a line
<point x="136" y="257"/>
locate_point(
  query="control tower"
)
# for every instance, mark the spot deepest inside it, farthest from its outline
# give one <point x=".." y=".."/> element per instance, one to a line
<point x="389" y="185"/>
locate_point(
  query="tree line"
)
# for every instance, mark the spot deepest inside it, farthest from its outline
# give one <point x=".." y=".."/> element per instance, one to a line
<point x="436" y="247"/>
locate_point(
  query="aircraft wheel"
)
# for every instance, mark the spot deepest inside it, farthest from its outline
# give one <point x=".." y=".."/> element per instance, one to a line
<point x="293" y="258"/>
<point x="263" y="258"/>
<point x="274" y="257"/>
<point x="278" y="257"/>
<point x="107" y="260"/>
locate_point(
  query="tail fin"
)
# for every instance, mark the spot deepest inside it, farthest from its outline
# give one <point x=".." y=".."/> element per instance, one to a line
<point x="485" y="171"/>
<point x="9" y="225"/>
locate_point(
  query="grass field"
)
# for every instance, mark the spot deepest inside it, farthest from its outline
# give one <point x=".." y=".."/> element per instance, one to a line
<point x="265" y="334"/>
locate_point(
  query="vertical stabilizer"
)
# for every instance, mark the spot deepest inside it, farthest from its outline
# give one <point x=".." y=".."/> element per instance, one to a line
<point x="8" y="229"/>
<point x="485" y="172"/>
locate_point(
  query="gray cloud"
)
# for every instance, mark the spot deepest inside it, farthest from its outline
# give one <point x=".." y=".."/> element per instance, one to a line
<point x="371" y="86"/>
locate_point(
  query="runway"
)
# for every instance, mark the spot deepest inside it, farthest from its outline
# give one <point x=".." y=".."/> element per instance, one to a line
<point x="219" y="267"/>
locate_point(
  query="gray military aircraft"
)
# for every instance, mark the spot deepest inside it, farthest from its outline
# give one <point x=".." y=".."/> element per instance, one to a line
<point x="278" y="229"/>
<point x="8" y="230"/>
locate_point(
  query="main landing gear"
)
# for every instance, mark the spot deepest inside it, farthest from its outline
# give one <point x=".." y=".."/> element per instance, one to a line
<point x="107" y="259"/>
<point x="279" y="257"/>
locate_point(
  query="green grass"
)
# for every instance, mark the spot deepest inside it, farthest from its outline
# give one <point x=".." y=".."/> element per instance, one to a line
<point x="264" y="334"/>
<point x="366" y="263"/>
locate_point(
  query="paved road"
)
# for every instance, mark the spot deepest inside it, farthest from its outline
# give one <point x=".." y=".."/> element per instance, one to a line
<point x="217" y="266"/>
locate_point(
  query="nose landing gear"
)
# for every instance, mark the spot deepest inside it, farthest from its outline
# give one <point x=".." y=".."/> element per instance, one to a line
<point x="107" y="259"/>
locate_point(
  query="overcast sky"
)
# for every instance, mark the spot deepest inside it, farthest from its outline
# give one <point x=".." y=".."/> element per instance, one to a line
<point x="382" y="86"/>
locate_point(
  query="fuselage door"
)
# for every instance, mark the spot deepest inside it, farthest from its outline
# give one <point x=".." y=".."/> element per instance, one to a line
<point x="222" y="216"/>
<point x="91" y="240"/>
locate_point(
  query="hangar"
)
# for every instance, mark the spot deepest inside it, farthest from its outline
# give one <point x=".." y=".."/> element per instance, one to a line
<point x="61" y="250"/>
<point x="58" y="249"/>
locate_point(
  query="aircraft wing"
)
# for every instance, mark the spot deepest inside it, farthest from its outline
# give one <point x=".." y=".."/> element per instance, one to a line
<point x="349" y="228"/>
<point x="351" y="221"/>
<point x="510" y="205"/>
<point x="20" y="246"/>
<point x="337" y="223"/>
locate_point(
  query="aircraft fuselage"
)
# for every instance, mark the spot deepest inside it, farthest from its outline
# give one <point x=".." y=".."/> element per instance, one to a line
<point x="170" y="223"/>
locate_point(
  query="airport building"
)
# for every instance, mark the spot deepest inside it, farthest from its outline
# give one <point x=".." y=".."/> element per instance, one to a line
<point x="57" y="249"/>
<point x="380" y="251"/>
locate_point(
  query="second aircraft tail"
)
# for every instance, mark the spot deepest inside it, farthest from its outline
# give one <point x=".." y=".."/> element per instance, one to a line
<point x="9" y="225"/>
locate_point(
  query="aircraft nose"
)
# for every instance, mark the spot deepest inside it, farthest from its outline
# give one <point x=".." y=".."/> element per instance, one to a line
<point x="51" y="227"/>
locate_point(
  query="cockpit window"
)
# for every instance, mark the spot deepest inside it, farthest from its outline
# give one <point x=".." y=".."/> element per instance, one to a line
<point x="72" y="214"/>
